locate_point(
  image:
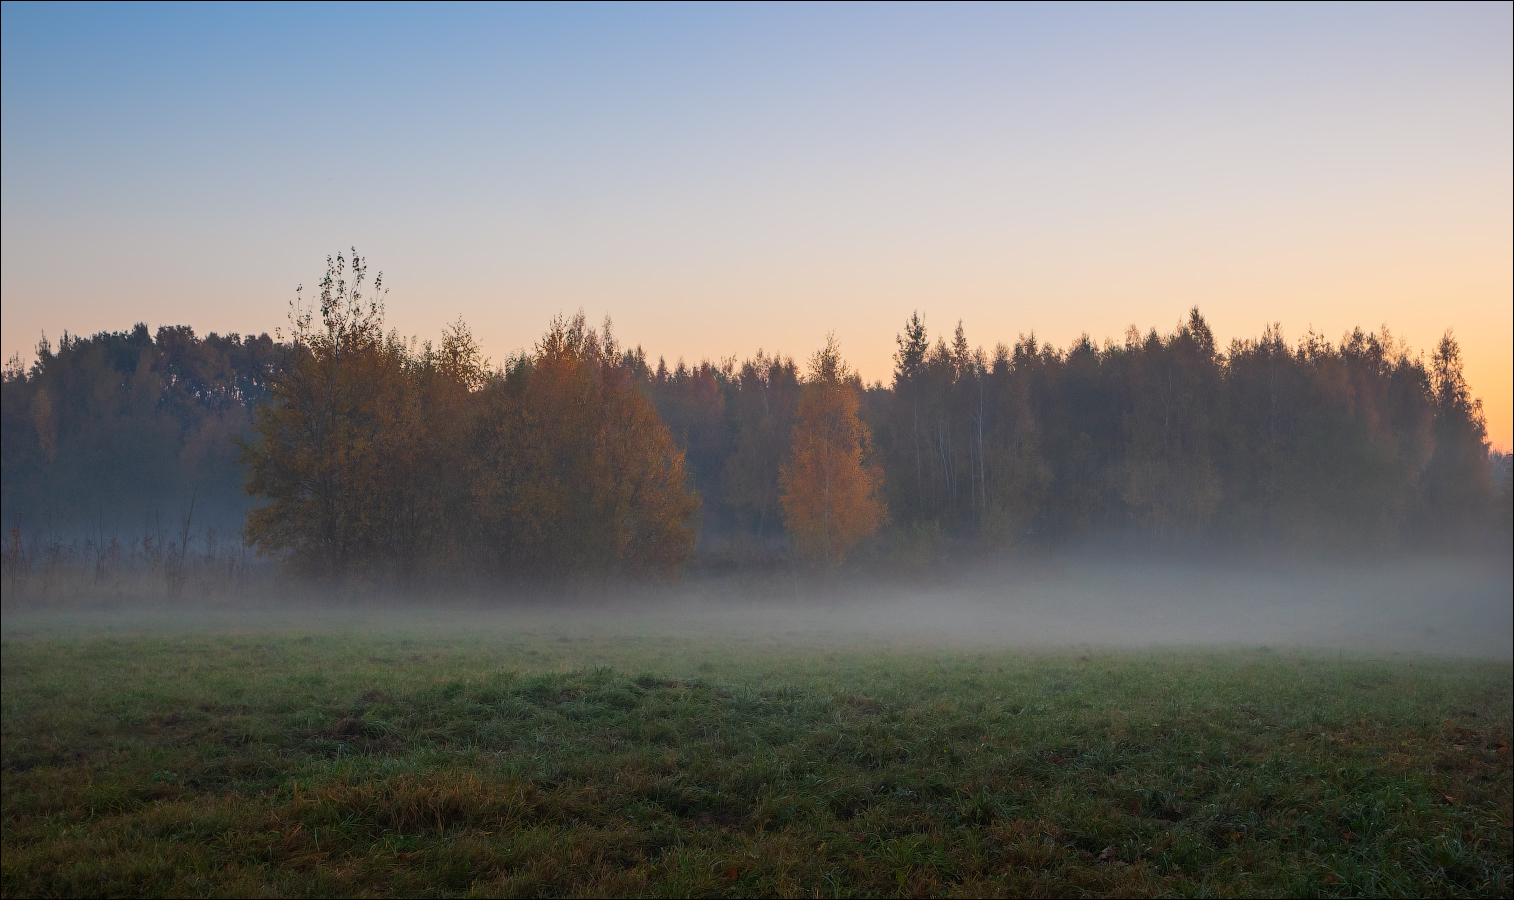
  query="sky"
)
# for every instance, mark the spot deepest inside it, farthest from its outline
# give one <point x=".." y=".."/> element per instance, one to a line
<point x="720" y="179"/>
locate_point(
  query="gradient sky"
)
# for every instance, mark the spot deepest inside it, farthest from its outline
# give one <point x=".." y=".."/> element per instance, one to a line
<point x="721" y="179"/>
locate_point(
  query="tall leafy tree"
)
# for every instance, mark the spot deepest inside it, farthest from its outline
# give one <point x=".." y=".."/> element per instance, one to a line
<point x="340" y="437"/>
<point x="576" y="472"/>
<point x="830" y="487"/>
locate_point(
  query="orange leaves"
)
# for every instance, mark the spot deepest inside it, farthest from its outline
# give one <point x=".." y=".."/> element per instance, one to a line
<point x="830" y="492"/>
<point x="380" y="458"/>
<point x="337" y="446"/>
<point x="577" y="472"/>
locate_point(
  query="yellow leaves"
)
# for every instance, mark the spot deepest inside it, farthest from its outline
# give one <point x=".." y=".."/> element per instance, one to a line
<point x="338" y="445"/>
<point x="830" y="493"/>
<point x="379" y="458"/>
<point x="576" y="472"/>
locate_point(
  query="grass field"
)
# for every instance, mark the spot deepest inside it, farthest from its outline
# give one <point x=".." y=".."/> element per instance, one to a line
<point x="369" y="763"/>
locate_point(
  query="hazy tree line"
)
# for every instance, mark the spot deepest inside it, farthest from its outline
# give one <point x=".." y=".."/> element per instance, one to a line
<point x="122" y="431"/>
<point x="1359" y="443"/>
<point x="1356" y="442"/>
<point x="361" y="452"/>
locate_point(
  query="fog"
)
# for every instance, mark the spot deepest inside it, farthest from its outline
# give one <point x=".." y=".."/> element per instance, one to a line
<point x="1446" y="605"/>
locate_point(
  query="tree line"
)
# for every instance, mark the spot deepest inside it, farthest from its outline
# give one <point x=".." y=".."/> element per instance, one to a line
<point x="106" y="432"/>
<point x="378" y="454"/>
<point x="360" y="452"/>
<point x="1352" y="444"/>
<point x="1356" y="442"/>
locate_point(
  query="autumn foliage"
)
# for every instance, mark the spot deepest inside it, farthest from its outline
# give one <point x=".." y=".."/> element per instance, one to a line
<point x="377" y="458"/>
<point x="575" y="469"/>
<point x="830" y="488"/>
<point x="367" y="456"/>
<point x="338" y="439"/>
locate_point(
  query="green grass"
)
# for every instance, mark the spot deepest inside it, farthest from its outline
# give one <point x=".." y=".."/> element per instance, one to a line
<point x="280" y="764"/>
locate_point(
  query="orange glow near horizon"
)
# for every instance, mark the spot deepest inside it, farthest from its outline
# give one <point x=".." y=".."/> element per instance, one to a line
<point x="723" y="179"/>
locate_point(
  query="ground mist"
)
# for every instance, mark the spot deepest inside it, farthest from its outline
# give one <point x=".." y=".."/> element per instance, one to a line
<point x="1459" y="605"/>
<point x="1078" y="724"/>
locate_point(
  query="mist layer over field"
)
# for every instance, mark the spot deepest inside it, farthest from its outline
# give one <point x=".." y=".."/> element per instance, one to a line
<point x="1460" y="606"/>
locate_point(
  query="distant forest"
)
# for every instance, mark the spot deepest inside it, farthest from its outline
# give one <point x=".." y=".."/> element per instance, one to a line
<point x="344" y="449"/>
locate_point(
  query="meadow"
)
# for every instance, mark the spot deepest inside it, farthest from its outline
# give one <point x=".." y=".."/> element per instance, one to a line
<point x="271" y="762"/>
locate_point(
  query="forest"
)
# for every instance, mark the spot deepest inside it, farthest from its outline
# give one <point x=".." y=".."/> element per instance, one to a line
<point x="341" y="450"/>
